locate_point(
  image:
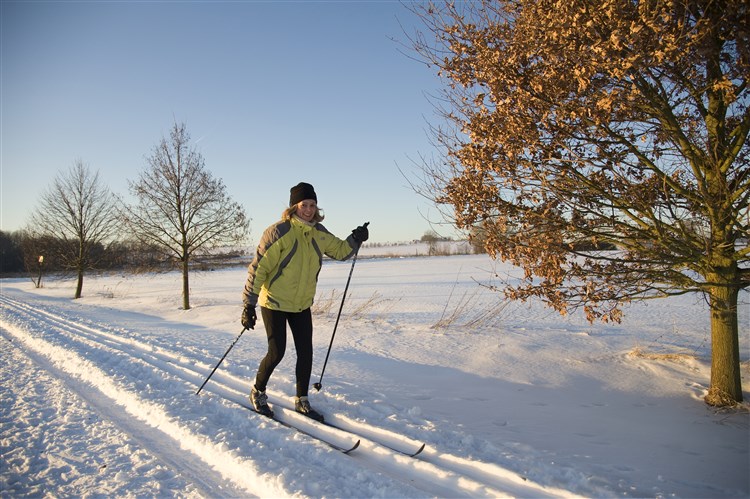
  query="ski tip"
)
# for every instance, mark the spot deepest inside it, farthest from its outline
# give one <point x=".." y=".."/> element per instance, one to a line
<point x="418" y="451"/>
<point x="354" y="447"/>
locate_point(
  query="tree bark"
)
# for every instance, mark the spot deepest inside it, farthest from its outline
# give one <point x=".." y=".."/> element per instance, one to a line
<point x="79" y="285"/>
<point x="80" y="267"/>
<point x="726" y="385"/>
<point x="185" y="285"/>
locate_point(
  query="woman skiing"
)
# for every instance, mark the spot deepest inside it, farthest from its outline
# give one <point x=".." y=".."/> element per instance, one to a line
<point x="282" y="278"/>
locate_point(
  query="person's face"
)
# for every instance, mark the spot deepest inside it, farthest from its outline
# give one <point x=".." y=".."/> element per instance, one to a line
<point x="306" y="209"/>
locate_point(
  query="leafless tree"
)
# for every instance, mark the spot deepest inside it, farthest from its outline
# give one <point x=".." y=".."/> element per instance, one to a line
<point x="78" y="213"/>
<point x="575" y="123"/>
<point x="181" y="208"/>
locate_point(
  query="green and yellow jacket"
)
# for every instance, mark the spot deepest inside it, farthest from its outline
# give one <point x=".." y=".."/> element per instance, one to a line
<point x="284" y="273"/>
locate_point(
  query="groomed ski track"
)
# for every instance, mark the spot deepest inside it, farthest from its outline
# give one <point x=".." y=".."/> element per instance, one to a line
<point x="147" y="392"/>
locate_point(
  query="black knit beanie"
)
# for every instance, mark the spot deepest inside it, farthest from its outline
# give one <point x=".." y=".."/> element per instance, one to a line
<point x="300" y="192"/>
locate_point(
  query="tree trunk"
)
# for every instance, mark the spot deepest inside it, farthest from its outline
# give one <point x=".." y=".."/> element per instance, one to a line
<point x="79" y="286"/>
<point x="726" y="385"/>
<point x="185" y="285"/>
<point x="80" y="266"/>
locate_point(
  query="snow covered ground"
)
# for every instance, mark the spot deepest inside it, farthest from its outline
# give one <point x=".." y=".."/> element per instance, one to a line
<point x="98" y="394"/>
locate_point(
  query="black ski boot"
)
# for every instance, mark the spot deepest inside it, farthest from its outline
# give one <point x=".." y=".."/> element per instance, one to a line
<point x="260" y="402"/>
<point x="302" y="405"/>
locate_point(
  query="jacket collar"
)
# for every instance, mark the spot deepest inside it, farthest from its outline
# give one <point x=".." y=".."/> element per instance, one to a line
<point x="305" y="226"/>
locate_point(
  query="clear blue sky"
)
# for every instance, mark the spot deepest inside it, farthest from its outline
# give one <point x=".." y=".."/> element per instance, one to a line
<point x="272" y="93"/>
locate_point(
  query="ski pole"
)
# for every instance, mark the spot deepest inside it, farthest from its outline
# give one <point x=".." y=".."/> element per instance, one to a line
<point x="221" y="360"/>
<point x="318" y="385"/>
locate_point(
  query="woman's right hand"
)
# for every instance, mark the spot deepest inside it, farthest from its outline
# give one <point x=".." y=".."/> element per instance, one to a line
<point x="248" y="317"/>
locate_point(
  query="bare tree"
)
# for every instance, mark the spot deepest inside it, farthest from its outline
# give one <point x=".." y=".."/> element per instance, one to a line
<point x="572" y="124"/>
<point x="181" y="208"/>
<point x="78" y="213"/>
<point x="432" y="239"/>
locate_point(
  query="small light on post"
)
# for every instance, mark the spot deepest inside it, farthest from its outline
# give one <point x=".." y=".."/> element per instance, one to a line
<point x="41" y="264"/>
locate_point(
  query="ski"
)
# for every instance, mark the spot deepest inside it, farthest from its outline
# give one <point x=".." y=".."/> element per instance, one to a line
<point x="394" y="449"/>
<point x="407" y="453"/>
<point x="339" y="448"/>
<point x="345" y="450"/>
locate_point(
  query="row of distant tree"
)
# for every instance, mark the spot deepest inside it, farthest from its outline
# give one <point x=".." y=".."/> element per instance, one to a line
<point x="22" y="253"/>
<point x="181" y="212"/>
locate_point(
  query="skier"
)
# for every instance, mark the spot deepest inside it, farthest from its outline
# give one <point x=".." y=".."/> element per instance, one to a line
<point x="282" y="278"/>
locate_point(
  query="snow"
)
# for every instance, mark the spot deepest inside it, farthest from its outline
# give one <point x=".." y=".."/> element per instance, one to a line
<point x="98" y="394"/>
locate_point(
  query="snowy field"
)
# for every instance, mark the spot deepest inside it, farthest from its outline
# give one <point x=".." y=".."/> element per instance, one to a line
<point x="98" y="394"/>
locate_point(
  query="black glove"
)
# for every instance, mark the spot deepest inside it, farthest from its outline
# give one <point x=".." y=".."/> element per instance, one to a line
<point x="248" y="317"/>
<point x="361" y="234"/>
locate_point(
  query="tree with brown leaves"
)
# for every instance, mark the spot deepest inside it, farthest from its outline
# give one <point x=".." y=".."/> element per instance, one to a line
<point x="574" y="124"/>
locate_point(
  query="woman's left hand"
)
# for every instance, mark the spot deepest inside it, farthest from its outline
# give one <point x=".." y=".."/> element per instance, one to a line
<point x="361" y="234"/>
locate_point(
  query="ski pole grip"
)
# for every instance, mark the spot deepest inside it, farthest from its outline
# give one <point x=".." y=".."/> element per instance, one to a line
<point x="365" y="226"/>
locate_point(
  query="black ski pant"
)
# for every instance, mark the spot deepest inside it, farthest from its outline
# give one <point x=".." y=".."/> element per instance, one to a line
<point x="302" y="330"/>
